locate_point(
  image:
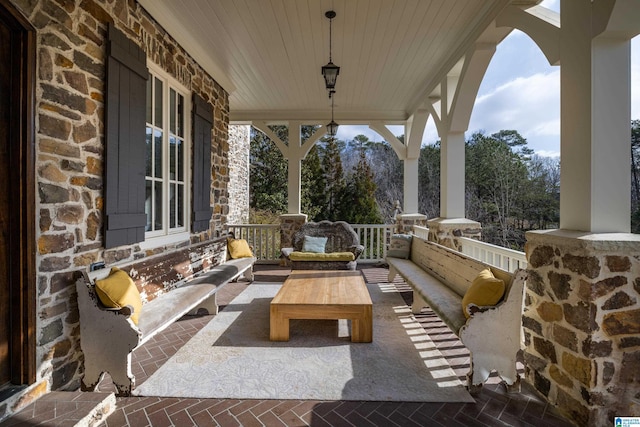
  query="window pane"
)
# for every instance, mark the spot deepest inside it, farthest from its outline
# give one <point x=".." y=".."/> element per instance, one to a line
<point x="180" y="205"/>
<point x="173" y="146"/>
<point x="158" y="104"/>
<point x="149" y="152"/>
<point x="172" y="205"/>
<point x="172" y="111"/>
<point x="158" y="214"/>
<point x="180" y="149"/>
<point x="158" y="154"/>
<point x="148" y="206"/>
<point x="149" y="99"/>
<point x="180" y="116"/>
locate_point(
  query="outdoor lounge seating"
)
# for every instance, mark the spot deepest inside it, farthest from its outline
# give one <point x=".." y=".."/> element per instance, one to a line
<point x="440" y="278"/>
<point x="324" y="245"/>
<point x="170" y="286"/>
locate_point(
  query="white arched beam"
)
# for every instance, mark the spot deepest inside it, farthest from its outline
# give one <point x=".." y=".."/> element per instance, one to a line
<point x="539" y="23"/>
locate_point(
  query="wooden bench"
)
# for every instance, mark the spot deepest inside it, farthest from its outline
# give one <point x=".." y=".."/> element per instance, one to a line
<point x="171" y="285"/>
<point x="440" y="277"/>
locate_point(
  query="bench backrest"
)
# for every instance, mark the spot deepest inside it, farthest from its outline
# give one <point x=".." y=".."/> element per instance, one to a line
<point x="454" y="268"/>
<point x="157" y="274"/>
<point x="340" y="235"/>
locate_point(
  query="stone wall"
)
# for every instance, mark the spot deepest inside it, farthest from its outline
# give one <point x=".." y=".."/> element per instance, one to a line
<point x="582" y="323"/>
<point x="239" y="144"/>
<point x="289" y="224"/>
<point x="71" y="48"/>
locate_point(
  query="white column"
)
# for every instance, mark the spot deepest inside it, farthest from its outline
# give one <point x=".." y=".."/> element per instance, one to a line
<point x="452" y="175"/>
<point x="294" y="187"/>
<point x="595" y="121"/>
<point x="410" y="186"/>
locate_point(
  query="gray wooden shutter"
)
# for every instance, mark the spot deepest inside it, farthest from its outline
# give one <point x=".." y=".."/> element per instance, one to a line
<point x="202" y="124"/>
<point x="125" y="151"/>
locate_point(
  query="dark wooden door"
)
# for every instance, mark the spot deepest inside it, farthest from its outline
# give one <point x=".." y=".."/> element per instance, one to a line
<point x="17" y="199"/>
<point x="5" y="49"/>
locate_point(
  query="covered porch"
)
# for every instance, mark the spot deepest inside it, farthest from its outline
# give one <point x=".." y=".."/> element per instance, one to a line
<point x="581" y="308"/>
<point x="227" y="65"/>
<point x="581" y="311"/>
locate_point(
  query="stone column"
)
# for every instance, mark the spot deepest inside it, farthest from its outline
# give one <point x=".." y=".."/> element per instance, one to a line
<point x="289" y="224"/>
<point x="582" y="323"/>
<point x="446" y="231"/>
<point x="405" y="222"/>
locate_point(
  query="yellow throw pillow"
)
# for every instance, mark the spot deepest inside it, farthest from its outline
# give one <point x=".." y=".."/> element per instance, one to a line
<point x="485" y="290"/>
<point x="238" y="248"/>
<point x="119" y="290"/>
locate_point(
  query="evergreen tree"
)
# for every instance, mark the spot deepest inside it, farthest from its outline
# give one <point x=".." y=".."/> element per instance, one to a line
<point x="268" y="173"/>
<point x="358" y="204"/>
<point x="314" y="184"/>
<point x="332" y="167"/>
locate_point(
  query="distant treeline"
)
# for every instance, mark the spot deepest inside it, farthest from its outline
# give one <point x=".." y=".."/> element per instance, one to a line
<point x="509" y="189"/>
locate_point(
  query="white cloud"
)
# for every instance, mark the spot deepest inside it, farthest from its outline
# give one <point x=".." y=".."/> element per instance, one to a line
<point x="530" y="105"/>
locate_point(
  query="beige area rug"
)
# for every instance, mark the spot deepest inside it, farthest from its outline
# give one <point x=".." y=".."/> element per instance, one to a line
<point x="232" y="357"/>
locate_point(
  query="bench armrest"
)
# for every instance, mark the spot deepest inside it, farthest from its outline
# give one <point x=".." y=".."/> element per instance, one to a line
<point x="473" y="309"/>
<point x="357" y="250"/>
<point x="286" y="252"/>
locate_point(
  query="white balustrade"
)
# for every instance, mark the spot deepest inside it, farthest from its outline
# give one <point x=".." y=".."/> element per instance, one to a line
<point x="264" y="239"/>
<point x="375" y="239"/>
<point x="506" y="259"/>
<point x="421" y="232"/>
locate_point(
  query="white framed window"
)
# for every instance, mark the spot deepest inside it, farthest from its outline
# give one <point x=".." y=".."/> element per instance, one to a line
<point x="168" y="144"/>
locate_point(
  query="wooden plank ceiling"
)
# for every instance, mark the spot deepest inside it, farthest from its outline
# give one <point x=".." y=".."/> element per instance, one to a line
<point x="268" y="53"/>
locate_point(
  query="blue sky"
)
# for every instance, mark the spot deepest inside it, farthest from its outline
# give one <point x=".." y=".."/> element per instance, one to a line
<point x="520" y="91"/>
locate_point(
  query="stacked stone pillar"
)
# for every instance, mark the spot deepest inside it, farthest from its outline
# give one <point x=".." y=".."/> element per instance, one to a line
<point x="405" y="222"/>
<point x="446" y="231"/>
<point x="289" y="224"/>
<point x="582" y="323"/>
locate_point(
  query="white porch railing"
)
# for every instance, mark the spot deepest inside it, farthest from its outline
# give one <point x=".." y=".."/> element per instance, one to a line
<point x="265" y="240"/>
<point x="375" y="238"/>
<point x="506" y="259"/>
<point x="421" y="232"/>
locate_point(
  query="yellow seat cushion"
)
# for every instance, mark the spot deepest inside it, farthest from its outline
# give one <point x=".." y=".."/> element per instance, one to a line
<point x="238" y="248"/>
<point x="486" y="290"/>
<point x="313" y="256"/>
<point x="118" y="290"/>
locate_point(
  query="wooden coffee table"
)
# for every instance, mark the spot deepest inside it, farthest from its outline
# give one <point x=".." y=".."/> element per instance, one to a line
<point x="319" y="294"/>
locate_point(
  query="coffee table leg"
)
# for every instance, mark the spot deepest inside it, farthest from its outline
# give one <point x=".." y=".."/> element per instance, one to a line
<point x="362" y="326"/>
<point x="279" y="328"/>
